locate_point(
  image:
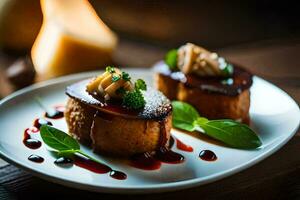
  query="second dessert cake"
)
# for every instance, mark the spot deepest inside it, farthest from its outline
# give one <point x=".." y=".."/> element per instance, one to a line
<point x="216" y="88"/>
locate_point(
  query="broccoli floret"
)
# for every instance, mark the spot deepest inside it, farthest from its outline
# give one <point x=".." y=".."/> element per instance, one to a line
<point x="121" y="91"/>
<point x="126" y="76"/>
<point x="134" y="100"/>
<point x="140" y="84"/>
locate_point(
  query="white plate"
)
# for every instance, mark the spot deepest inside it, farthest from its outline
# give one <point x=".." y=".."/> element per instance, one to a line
<point x="275" y="116"/>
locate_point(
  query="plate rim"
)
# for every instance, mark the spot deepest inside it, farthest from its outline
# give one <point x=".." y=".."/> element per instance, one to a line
<point x="129" y="189"/>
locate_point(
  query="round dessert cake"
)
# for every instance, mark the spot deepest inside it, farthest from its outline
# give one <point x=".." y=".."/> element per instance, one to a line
<point x="113" y="129"/>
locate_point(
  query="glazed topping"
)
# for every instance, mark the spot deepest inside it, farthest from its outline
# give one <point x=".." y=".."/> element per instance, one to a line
<point x="111" y="84"/>
<point x="193" y="59"/>
<point x="115" y="84"/>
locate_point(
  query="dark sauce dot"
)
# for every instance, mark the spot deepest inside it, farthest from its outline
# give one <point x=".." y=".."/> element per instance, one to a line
<point x="55" y="114"/>
<point x="32" y="143"/>
<point x="64" y="162"/>
<point x="117" y="175"/>
<point x="207" y="155"/>
<point x="36" y="158"/>
<point x="40" y="121"/>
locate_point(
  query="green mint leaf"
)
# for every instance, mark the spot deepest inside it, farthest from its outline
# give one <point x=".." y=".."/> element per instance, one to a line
<point x="58" y="139"/>
<point x="171" y="59"/>
<point x="110" y="69"/>
<point x="121" y="91"/>
<point x="184" y="116"/>
<point x="232" y="133"/>
<point x="140" y="85"/>
<point x="125" y="76"/>
<point x="134" y="100"/>
<point x="115" y="78"/>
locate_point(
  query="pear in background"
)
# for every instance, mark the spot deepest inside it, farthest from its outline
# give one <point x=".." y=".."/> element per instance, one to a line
<point x="72" y="39"/>
<point x="20" y="21"/>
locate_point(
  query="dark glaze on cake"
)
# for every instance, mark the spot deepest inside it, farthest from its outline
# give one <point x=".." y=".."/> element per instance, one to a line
<point x="157" y="105"/>
<point x="232" y="86"/>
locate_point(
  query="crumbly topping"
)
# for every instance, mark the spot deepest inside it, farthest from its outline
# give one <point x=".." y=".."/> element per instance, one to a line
<point x="111" y="84"/>
<point x="193" y="59"/>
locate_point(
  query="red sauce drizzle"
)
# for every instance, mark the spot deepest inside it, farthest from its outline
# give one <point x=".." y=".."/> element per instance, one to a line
<point x="207" y="155"/>
<point x="145" y="161"/>
<point x="91" y="165"/>
<point x="180" y="145"/>
<point x="163" y="134"/>
<point x="118" y="108"/>
<point x="152" y="161"/>
<point x="117" y="175"/>
<point x="168" y="156"/>
<point x="30" y="142"/>
<point x="36" y="158"/>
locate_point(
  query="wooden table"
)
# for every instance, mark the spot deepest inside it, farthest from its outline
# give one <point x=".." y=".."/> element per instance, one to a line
<point x="275" y="177"/>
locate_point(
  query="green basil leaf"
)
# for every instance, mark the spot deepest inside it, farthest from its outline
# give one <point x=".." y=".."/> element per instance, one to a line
<point x="231" y="133"/>
<point x="184" y="116"/>
<point x="57" y="139"/>
<point x="171" y="59"/>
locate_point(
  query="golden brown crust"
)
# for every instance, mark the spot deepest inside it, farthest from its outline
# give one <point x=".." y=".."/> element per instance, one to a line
<point x="216" y="106"/>
<point x="79" y="118"/>
<point x="210" y="105"/>
<point x="128" y="137"/>
<point x="164" y="84"/>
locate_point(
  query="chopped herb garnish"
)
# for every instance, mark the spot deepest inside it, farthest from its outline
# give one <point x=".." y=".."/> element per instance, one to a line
<point x="121" y="91"/>
<point x="228" y="70"/>
<point x="110" y="69"/>
<point x="140" y="84"/>
<point x="115" y="78"/>
<point x="171" y="59"/>
<point x="125" y="76"/>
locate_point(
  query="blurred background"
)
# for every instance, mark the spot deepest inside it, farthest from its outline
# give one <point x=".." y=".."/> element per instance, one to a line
<point x="258" y="34"/>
